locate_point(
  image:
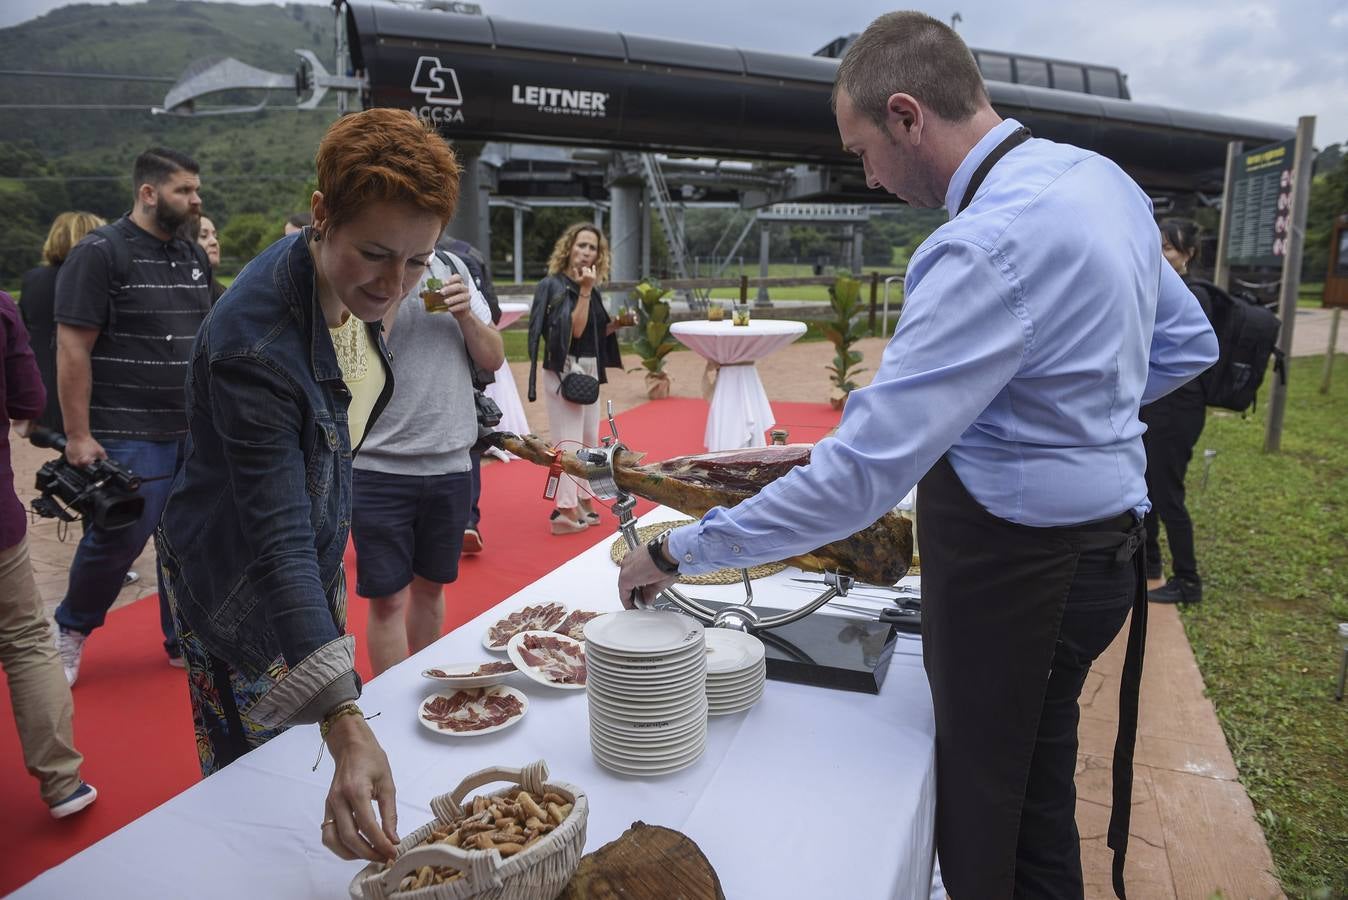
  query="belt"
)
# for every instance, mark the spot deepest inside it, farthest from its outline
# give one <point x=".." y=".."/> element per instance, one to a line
<point x="1124" y="521"/>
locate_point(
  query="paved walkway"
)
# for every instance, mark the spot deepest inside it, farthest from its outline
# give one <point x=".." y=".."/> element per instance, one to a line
<point x="1193" y="826"/>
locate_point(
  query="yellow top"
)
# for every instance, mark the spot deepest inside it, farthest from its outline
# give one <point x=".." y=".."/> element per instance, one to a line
<point x="358" y="357"/>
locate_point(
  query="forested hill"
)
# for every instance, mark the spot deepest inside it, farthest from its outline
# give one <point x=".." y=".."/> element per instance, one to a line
<point x="255" y="167"/>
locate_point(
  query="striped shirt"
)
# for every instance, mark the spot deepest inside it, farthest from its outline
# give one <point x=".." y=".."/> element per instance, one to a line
<point x="147" y="324"/>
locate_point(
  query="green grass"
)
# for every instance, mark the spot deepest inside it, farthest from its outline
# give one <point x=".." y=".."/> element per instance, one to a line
<point x="1272" y="536"/>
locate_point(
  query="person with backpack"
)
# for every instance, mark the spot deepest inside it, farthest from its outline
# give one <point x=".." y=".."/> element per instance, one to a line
<point x="129" y="300"/>
<point x="470" y="261"/>
<point x="1174" y="423"/>
<point x="411" y="483"/>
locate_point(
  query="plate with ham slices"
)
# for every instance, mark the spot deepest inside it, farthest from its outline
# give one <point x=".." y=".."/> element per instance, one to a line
<point x="538" y="617"/>
<point x="470" y="712"/>
<point x="470" y="674"/>
<point x="549" y="658"/>
<point x="573" y="626"/>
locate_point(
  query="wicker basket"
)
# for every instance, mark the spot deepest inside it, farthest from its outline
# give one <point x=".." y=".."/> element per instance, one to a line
<point x="538" y="873"/>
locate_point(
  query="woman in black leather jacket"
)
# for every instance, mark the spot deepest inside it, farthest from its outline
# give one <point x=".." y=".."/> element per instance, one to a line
<point x="568" y="316"/>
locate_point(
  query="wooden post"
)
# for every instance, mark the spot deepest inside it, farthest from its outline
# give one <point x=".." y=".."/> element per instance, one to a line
<point x="1329" y="354"/>
<point x="1221" y="275"/>
<point x="875" y="294"/>
<point x="1291" y="274"/>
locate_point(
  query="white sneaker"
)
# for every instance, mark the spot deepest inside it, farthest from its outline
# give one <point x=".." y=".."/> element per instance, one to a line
<point x="83" y="796"/>
<point x="70" y="644"/>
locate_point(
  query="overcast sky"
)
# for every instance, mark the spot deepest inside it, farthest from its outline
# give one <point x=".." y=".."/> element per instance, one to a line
<point x="1247" y="58"/>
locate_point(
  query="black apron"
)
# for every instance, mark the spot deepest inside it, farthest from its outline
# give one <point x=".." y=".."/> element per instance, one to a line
<point x="993" y="594"/>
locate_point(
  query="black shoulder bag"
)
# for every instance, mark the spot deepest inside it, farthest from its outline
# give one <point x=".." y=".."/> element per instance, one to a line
<point x="577" y="387"/>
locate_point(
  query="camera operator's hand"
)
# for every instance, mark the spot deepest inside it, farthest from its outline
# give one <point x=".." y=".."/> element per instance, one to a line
<point x="82" y="451"/>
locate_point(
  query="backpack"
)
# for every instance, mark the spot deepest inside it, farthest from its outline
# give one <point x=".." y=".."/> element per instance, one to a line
<point x="476" y="264"/>
<point x="121" y="256"/>
<point x="481" y="377"/>
<point x="1247" y="335"/>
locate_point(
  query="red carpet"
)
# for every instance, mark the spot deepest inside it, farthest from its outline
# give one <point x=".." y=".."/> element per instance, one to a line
<point x="133" y="721"/>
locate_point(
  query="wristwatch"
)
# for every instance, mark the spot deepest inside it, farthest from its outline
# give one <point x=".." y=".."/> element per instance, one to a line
<point x="656" y="547"/>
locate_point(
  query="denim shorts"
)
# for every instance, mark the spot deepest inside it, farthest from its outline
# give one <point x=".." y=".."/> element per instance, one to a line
<point x="407" y="524"/>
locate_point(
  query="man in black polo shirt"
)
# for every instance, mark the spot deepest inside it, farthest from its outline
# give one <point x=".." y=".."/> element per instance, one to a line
<point x="129" y="301"/>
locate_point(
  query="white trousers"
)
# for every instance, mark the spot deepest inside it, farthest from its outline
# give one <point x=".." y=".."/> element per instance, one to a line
<point x="571" y="422"/>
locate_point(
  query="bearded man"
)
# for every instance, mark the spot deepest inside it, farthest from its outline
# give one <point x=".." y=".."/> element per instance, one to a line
<point x="129" y="300"/>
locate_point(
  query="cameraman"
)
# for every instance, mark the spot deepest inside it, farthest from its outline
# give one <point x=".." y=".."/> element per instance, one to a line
<point x="37" y="687"/>
<point x="412" y="480"/>
<point x="129" y="301"/>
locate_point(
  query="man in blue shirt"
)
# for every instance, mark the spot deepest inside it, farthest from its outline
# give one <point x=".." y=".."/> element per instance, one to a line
<point x="1035" y="323"/>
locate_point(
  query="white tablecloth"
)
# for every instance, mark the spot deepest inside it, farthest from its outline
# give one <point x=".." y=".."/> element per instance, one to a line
<point x="503" y="389"/>
<point x="812" y="793"/>
<point x="740" y="412"/>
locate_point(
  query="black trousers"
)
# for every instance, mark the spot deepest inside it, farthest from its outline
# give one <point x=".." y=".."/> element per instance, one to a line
<point x="1174" y="424"/>
<point x="1048" y="856"/>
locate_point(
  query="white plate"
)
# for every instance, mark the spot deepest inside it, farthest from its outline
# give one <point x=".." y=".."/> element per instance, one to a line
<point x="537" y="625"/>
<point x="716" y="709"/>
<point x="595" y="661"/>
<point x="694" y="667"/>
<point x="645" y="663"/>
<point x="657" y="755"/>
<point x="456" y="675"/>
<point x="623" y="727"/>
<point x="691" y="683"/>
<point x="654" y="740"/>
<point x="644" y="632"/>
<point x="624" y="767"/>
<point x="483" y="692"/>
<point x="732" y="651"/>
<point x="515" y="650"/>
<point x="739" y="678"/>
<point x="636" y="712"/>
<point x="734" y="688"/>
<point x="719" y="698"/>
<point x="582" y="612"/>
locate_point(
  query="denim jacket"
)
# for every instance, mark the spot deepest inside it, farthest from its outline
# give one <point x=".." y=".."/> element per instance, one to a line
<point x="252" y="538"/>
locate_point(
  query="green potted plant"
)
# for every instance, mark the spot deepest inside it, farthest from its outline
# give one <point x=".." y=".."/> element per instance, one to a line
<point x="653" y="340"/>
<point x="843" y="330"/>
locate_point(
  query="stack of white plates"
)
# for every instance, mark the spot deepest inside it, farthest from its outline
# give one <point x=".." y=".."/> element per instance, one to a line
<point x="646" y="682"/>
<point x="736" y="671"/>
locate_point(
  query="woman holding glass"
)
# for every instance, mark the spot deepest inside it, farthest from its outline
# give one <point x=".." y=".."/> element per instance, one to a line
<point x="569" y="318"/>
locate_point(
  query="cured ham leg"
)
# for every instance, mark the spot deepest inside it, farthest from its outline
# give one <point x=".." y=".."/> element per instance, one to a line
<point x="879" y="554"/>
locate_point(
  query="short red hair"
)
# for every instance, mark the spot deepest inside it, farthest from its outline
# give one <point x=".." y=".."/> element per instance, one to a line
<point x="389" y="155"/>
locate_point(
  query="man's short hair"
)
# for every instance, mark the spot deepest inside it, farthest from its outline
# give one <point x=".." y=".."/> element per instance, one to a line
<point x="910" y="52"/>
<point x="159" y="164"/>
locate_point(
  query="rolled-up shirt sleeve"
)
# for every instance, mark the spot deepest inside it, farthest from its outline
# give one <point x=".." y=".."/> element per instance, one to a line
<point x="1183" y="344"/>
<point x="962" y="337"/>
<point x="258" y="419"/>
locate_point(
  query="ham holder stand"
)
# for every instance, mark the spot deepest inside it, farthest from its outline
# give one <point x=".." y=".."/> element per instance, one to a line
<point x="828" y="651"/>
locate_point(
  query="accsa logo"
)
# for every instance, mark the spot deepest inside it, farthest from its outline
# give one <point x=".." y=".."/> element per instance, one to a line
<point x="439" y="85"/>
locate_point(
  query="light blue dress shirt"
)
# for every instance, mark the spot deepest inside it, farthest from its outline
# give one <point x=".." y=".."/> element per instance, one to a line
<point x="1034" y="325"/>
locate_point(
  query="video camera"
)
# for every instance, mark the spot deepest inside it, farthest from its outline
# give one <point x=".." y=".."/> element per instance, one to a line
<point x="105" y="493"/>
<point x="488" y="417"/>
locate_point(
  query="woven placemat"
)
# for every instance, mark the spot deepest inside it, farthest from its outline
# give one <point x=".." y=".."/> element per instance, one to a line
<point x="618" y="551"/>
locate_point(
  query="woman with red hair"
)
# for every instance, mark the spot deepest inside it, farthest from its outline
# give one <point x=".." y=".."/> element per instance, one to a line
<point x="288" y="372"/>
